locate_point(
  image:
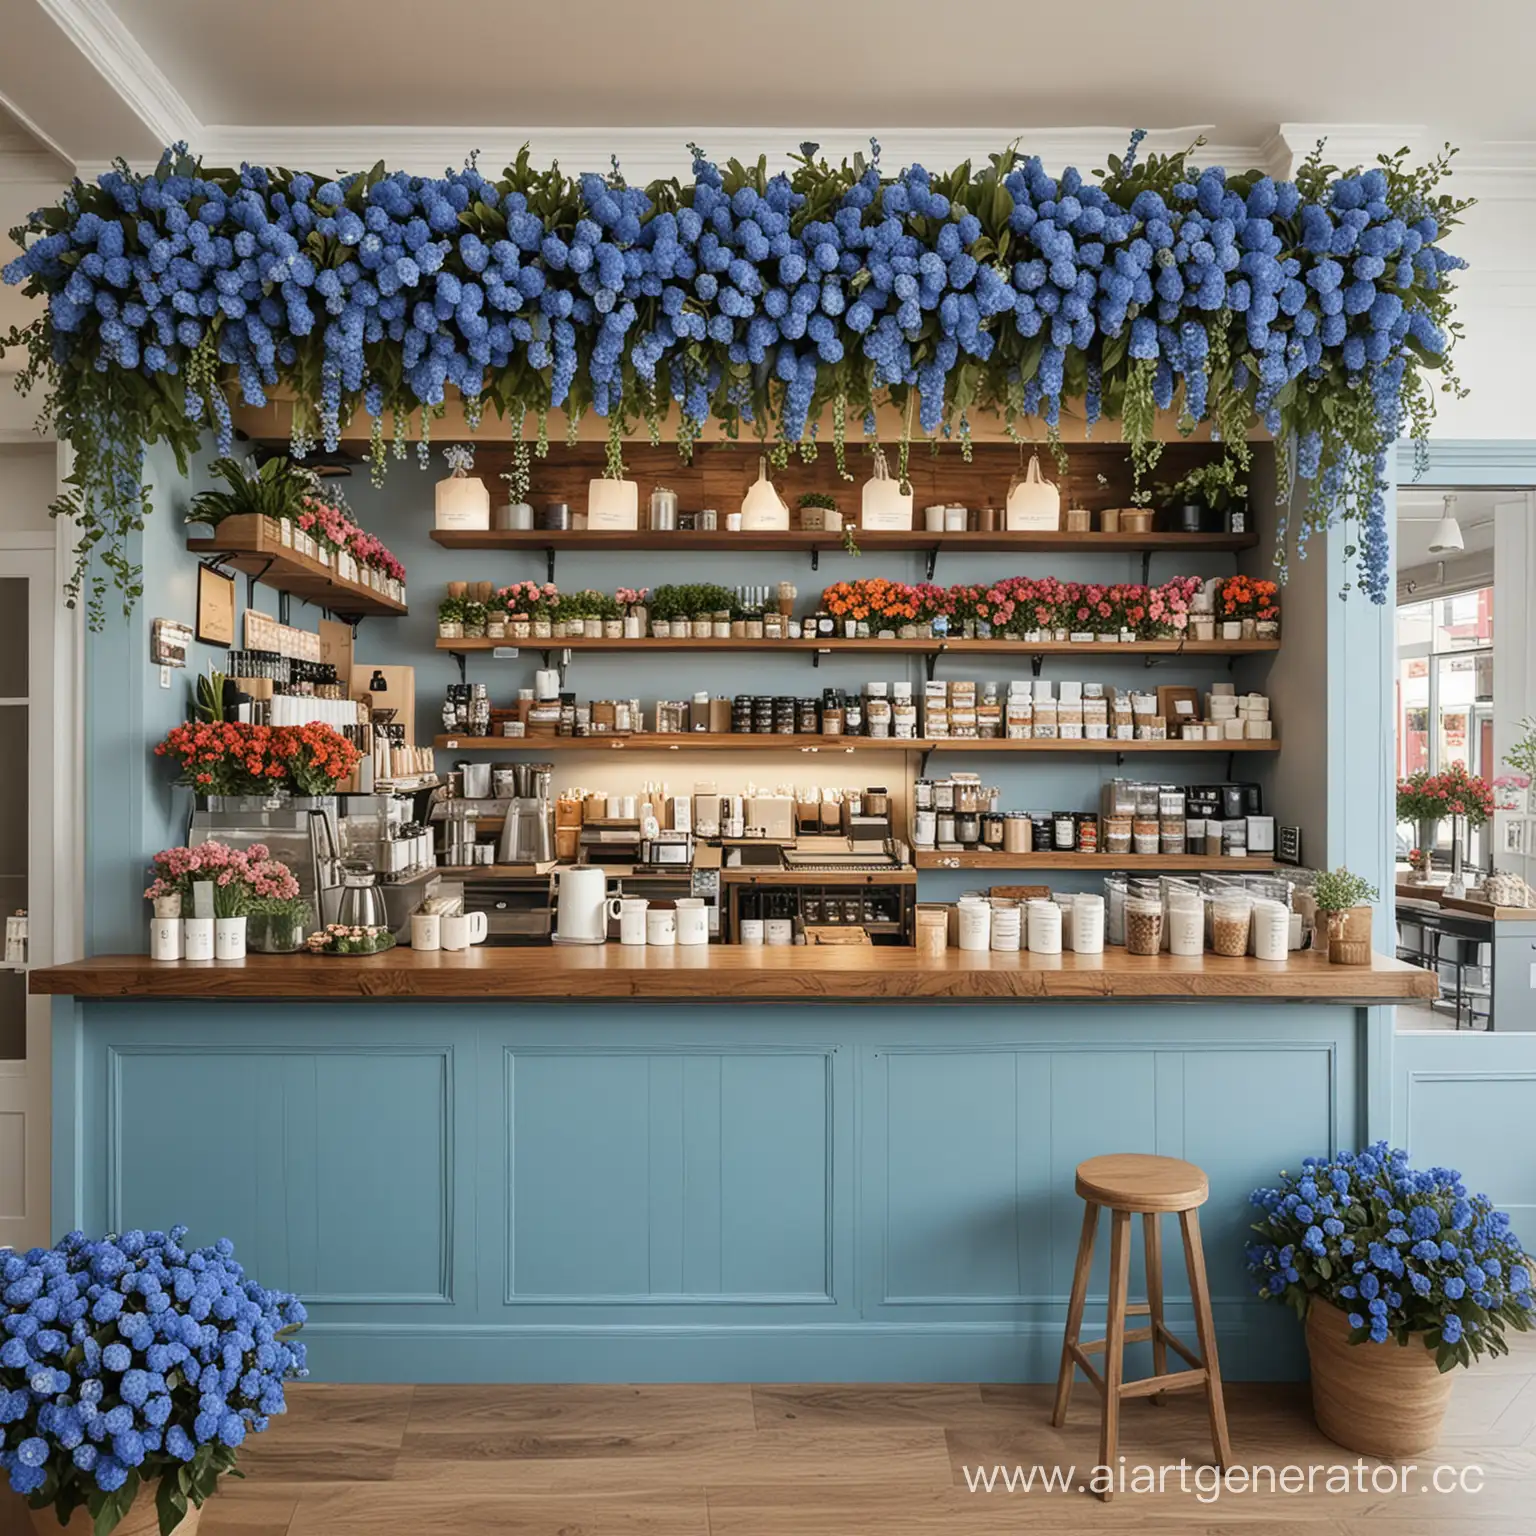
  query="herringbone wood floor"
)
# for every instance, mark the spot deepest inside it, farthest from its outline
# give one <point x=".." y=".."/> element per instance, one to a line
<point x="828" y="1461"/>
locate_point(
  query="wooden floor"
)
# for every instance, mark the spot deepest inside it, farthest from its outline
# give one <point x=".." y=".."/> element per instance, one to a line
<point x="827" y="1461"/>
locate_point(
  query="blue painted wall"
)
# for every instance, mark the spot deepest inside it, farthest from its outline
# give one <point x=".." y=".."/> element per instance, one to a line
<point x="480" y="1192"/>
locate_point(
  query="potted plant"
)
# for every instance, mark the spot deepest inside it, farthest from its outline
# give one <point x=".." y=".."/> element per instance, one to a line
<point x="276" y="914"/>
<point x="1343" y="901"/>
<point x="1243" y="603"/>
<point x="1204" y="499"/>
<point x="818" y="504"/>
<point x="1400" y="1276"/>
<point x="474" y="620"/>
<point x="450" y="618"/>
<point x="178" y="1350"/>
<point x="1522" y="758"/>
<point x="261" y="500"/>
<point x="632" y="600"/>
<point x="1426" y="798"/>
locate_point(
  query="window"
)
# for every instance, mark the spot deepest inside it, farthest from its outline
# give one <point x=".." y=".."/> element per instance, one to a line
<point x="1445" y="696"/>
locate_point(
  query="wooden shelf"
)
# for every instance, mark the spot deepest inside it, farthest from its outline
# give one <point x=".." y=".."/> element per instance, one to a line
<point x="1102" y="862"/>
<point x="255" y="550"/>
<point x="738" y="741"/>
<point x="695" y="741"/>
<point x="956" y="647"/>
<point x="801" y="541"/>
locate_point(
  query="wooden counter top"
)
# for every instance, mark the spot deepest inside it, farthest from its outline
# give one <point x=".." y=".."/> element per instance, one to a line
<point x="794" y="974"/>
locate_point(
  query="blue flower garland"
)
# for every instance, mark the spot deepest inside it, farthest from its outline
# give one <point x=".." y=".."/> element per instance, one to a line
<point x="1316" y="306"/>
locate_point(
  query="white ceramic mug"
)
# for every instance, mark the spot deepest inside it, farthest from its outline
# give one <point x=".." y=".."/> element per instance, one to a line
<point x="197" y="938"/>
<point x="462" y="929"/>
<point x="933" y="519"/>
<point x="975" y="923"/>
<point x="426" y="930"/>
<point x="165" y="938"/>
<point x="632" y="919"/>
<point x="661" y="926"/>
<point x="229" y="938"/>
<point x="750" y="931"/>
<point x="692" y="921"/>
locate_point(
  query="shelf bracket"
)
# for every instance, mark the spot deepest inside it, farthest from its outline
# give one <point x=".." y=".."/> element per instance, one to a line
<point x="462" y="659"/>
<point x="930" y="661"/>
<point x="815" y="557"/>
<point x="1231" y="662"/>
<point x="922" y="765"/>
<point x="549" y="564"/>
<point x="1037" y="664"/>
<point x="816" y="658"/>
<point x="252" y="579"/>
<point x="1231" y="764"/>
<point x="1119" y="759"/>
<point x="284" y="607"/>
<point x="933" y="560"/>
<point x="1146" y="567"/>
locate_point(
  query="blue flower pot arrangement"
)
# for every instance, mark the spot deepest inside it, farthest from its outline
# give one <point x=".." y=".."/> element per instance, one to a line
<point x="1319" y="306"/>
<point x="131" y="1371"/>
<point x="1401" y="1276"/>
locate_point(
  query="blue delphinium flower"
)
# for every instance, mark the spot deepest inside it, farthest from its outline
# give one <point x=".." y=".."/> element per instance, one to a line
<point x="105" y="1407"/>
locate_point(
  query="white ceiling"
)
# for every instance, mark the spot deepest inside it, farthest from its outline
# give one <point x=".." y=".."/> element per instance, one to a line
<point x="97" y="78"/>
<point x="970" y="62"/>
<point x="1420" y="509"/>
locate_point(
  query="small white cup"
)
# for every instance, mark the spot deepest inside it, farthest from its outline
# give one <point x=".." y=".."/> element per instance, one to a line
<point x="197" y="938"/>
<point x="165" y="938"/>
<point x="462" y="929"/>
<point x="632" y="921"/>
<point x="661" y="927"/>
<point x="692" y="921"/>
<point x="427" y="930"/>
<point x="933" y="519"/>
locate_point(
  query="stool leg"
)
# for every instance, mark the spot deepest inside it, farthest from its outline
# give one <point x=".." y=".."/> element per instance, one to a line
<point x="1075" y="1313"/>
<point x="1152" y="1235"/>
<point x="1114" y="1339"/>
<point x="1205" y="1327"/>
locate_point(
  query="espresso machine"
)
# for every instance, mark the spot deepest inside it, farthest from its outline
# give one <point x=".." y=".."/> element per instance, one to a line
<point x="528" y="833"/>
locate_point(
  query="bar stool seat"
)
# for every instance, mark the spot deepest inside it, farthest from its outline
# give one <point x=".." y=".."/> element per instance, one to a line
<point x="1135" y="1184"/>
<point x="1132" y="1182"/>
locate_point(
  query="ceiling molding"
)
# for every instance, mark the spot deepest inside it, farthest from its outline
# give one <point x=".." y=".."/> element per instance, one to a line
<point x="29" y="149"/>
<point x="118" y="57"/>
<point x="646" y="154"/>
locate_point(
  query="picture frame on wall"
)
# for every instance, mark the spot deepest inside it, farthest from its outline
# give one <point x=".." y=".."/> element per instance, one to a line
<point x="1515" y="834"/>
<point x="215" y="607"/>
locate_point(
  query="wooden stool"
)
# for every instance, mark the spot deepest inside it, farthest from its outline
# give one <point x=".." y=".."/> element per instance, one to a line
<point x="1131" y="1184"/>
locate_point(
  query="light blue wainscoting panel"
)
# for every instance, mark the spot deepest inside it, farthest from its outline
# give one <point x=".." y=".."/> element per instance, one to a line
<point x="564" y="1192"/>
<point x="1467" y="1100"/>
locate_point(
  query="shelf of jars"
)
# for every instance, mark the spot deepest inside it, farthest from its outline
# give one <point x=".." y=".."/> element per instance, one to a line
<point x="735" y="741"/>
<point x="1172" y="863"/>
<point x="255" y="547"/>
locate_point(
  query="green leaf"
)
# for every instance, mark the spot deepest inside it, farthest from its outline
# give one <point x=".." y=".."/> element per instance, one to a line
<point x="170" y="1503"/>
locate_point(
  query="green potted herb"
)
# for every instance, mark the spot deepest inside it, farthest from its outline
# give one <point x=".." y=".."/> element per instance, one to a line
<point x="1205" y="498"/>
<point x="474" y="621"/>
<point x="450" y="618"/>
<point x="260" y="500"/>
<point x="814" y="507"/>
<point x="1343" y="902"/>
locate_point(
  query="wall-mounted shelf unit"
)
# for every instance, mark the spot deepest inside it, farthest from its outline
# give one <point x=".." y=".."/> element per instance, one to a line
<point x="260" y="555"/>
<point x="836" y="645"/>
<point x="736" y="741"/>
<point x="1173" y="863"/>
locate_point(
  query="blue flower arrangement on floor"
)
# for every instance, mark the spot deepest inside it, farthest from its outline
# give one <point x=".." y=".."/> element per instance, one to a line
<point x="1317" y="306"/>
<point x="1403" y="1253"/>
<point x="134" y="1359"/>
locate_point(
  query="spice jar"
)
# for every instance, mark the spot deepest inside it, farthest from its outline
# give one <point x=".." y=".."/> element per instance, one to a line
<point x="1230" y="913"/>
<point x="1143" y="926"/>
<point x="1064" y="832"/>
<point x="993" y="829"/>
<point x="1114" y="910"/>
<point x="968" y="828"/>
<point x="1016" y="832"/>
<point x="944" y="827"/>
<point x="1145" y="833"/>
<point x="1087" y="832"/>
<point x="1117" y="834"/>
<point x="922" y="795"/>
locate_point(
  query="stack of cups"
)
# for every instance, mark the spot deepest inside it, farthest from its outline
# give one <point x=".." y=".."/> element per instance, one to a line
<point x="1087" y="924"/>
<point x="1007" y="922"/>
<point x="1186" y="925"/>
<point x="1044" y="928"/>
